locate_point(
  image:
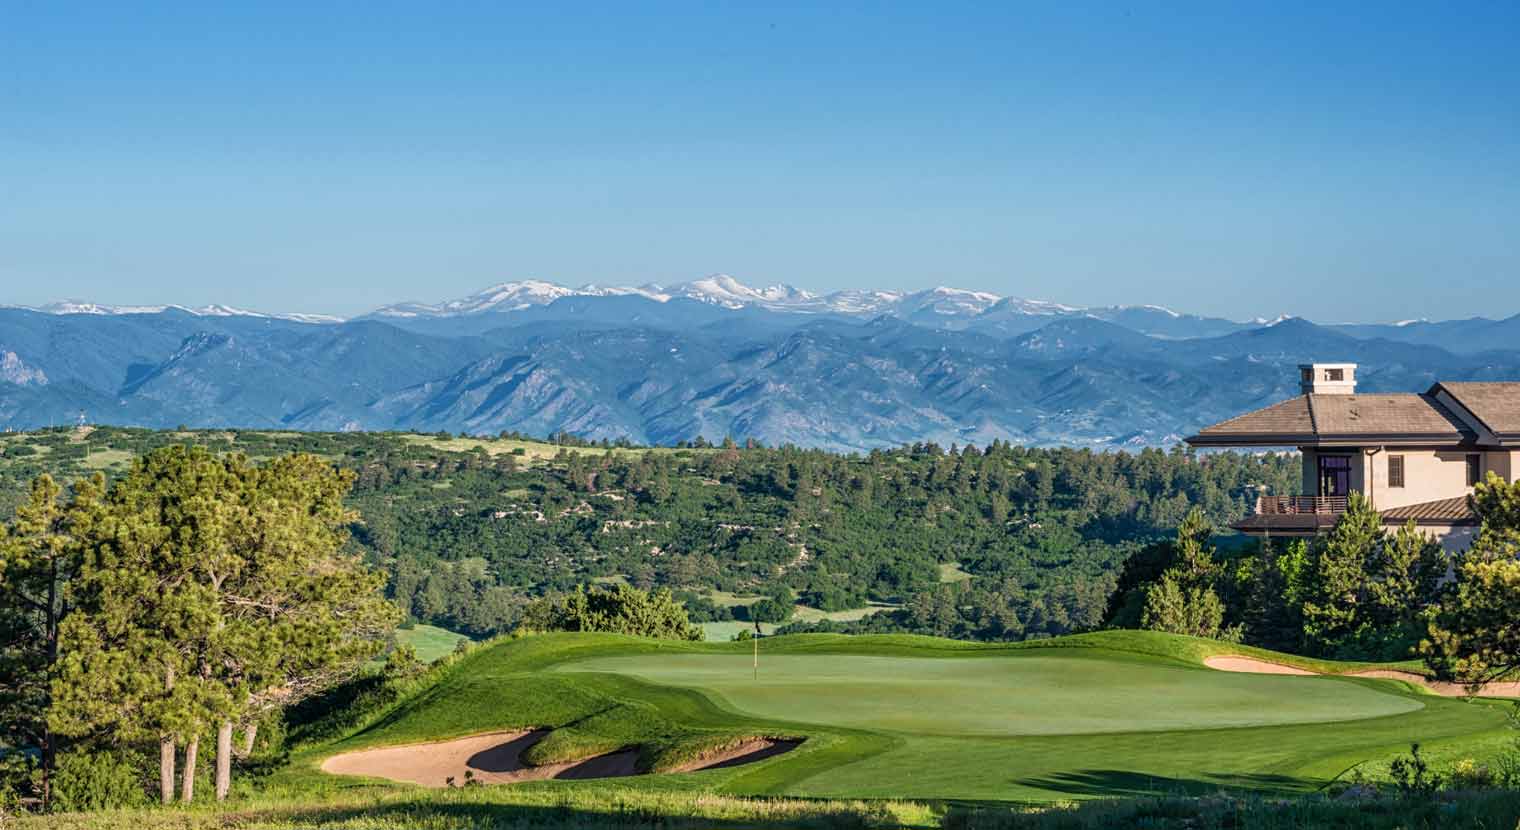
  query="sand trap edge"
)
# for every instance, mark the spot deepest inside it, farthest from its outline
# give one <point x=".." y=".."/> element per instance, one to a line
<point x="1252" y="665"/>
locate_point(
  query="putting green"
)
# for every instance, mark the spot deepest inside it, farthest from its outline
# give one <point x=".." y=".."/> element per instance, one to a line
<point x="1033" y="694"/>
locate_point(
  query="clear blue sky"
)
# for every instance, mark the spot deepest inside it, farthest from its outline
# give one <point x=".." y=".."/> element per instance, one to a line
<point x="1341" y="161"/>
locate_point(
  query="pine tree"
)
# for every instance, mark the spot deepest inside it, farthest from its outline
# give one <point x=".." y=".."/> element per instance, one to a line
<point x="40" y="555"/>
<point x="1475" y="636"/>
<point x="1185" y="600"/>
<point x="1336" y="611"/>
<point x="1403" y="583"/>
<point x="216" y="591"/>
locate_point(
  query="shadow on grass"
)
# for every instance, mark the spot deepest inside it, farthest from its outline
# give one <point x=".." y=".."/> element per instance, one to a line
<point x="1121" y="783"/>
<point x="614" y="815"/>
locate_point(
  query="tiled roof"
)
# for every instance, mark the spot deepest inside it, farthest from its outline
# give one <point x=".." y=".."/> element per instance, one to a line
<point x="1454" y="510"/>
<point x="1309" y="419"/>
<point x="1288" y="417"/>
<point x="1378" y="414"/>
<point x="1496" y="403"/>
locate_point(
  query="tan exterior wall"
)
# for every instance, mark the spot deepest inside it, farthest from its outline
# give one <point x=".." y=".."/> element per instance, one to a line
<point x="1505" y="464"/>
<point x="1428" y="476"/>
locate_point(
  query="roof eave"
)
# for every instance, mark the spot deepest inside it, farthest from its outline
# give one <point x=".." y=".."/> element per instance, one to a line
<point x="1401" y="439"/>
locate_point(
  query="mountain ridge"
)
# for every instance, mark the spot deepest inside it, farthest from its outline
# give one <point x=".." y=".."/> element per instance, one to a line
<point x="944" y="365"/>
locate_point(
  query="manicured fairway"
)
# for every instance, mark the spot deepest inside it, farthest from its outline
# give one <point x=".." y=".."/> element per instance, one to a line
<point x="1025" y="694"/>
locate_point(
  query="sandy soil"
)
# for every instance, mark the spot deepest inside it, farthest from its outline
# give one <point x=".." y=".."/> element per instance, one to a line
<point x="496" y="758"/>
<point x="1255" y="666"/>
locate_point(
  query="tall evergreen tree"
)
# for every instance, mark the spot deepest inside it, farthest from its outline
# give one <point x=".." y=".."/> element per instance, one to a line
<point x="40" y="555"/>
<point x="1475" y="635"/>
<point x="1185" y="599"/>
<point x="1336" y="609"/>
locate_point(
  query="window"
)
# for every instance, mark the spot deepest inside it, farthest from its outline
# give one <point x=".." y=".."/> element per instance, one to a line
<point x="1474" y="469"/>
<point x="1335" y="374"/>
<point x="1395" y="471"/>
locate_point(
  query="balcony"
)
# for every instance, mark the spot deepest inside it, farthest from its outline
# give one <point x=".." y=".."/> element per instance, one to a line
<point x="1300" y="505"/>
<point x="1292" y="515"/>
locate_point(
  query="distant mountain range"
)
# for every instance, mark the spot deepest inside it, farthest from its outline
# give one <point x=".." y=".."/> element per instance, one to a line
<point x="713" y="357"/>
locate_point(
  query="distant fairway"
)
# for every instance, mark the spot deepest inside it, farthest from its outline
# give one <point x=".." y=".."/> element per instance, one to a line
<point x="1023" y="694"/>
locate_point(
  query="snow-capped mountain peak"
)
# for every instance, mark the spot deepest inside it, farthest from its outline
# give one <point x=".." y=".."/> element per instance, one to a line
<point x="67" y="307"/>
<point x="944" y="300"/>
<point x="724" y="290"/>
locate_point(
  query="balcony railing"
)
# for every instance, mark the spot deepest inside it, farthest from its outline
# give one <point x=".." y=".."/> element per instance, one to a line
<point x="1300" y="505"/>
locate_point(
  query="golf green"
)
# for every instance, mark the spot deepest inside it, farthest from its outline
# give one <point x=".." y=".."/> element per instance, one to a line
<point x="1029" y="694"/>
<point x="1094" y="715"/>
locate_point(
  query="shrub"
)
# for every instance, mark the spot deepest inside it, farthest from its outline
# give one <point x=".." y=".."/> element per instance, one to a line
<point x="620" y="609"/>
<point x="1468" y="774"/>
<point x="87" y="781"/>
<point x="1412" y="775"/>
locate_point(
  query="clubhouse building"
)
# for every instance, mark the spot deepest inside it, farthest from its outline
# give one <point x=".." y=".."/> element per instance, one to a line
<point x="1415" y="456"/>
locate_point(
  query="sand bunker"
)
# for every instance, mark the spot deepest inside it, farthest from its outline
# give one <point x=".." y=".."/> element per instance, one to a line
<point x="496" y="758"/>
<point x="1252" y="665"/>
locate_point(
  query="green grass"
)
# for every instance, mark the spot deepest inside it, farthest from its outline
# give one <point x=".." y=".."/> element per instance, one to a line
<point x="725" y="630"/>
<point x="1102" y="715"/>
<point x="952" y="572"/>
<point x="108" y="458"/>
<point x="1033" y="694"/>
<point x="430" y="641"/>
<point x="1099" y="730"/>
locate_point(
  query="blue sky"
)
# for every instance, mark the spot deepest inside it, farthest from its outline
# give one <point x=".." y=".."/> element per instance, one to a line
<point x="1340" y="161"/>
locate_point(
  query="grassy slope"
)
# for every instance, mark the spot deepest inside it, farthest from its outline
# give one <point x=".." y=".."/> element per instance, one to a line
<point x="514" y="684"/>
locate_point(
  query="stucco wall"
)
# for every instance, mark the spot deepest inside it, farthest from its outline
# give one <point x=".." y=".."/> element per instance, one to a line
<point x="1429" y="475"/>
<point x="1505" y="464"/>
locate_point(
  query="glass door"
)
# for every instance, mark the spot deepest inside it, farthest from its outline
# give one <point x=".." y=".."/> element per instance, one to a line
<point x="1334" y="475"/>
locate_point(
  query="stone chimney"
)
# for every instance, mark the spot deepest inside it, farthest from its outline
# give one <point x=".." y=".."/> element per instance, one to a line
<point x="1327" y="378"/>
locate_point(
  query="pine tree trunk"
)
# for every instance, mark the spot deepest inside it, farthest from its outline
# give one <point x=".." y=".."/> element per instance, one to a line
<point x="50" y="631"/>
<point x="166" y="752"/>
<point x="187" y="781"/>
<point x="166" y="769"/>
<point x="249" y="735"/>
<point x="223" y="760"/>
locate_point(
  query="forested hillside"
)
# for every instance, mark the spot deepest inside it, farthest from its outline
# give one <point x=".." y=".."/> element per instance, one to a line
<point x="1024" y="542"/>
